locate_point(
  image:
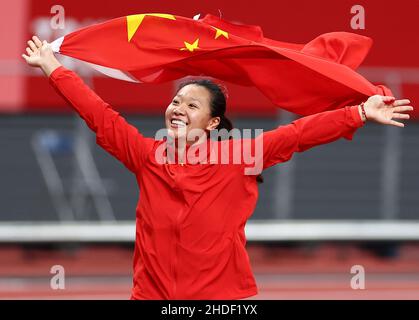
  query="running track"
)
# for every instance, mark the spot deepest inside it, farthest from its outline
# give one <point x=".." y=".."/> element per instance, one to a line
<point x="319" y="271"/>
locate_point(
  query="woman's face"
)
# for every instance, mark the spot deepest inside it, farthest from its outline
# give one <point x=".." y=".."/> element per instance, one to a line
<point x="190" y="109"/>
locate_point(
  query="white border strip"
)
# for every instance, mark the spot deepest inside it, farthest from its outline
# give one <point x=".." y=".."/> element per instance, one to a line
<point x="266" y="230"/>
<point x="56" y="44"/>
<point x="110" y="72"/>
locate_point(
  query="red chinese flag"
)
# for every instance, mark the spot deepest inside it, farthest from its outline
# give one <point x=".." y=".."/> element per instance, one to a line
<point x="155" y="48"/>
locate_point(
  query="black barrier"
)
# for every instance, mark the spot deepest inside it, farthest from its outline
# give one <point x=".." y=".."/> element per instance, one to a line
<point x="207" y="309"/>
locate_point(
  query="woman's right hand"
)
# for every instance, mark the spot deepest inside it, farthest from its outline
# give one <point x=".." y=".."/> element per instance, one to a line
<point x="39" y="54"/>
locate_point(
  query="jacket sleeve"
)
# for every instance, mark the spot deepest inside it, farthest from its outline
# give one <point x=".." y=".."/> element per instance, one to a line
<point x="113" y="133"/>
<point x="280" y="144"/>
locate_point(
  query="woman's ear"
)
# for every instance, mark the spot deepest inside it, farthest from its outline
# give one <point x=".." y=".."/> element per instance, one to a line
<point x="213" y="123"/>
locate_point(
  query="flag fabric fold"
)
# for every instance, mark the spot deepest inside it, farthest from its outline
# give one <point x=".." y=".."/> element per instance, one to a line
<point x="153" y="48"/>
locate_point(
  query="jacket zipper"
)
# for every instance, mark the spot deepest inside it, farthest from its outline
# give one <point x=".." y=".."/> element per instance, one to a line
<point x="175" y="258"/>
<point x="177" y="237"/>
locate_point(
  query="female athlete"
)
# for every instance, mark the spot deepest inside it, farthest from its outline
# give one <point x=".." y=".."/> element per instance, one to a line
<point x="192" y="209"/>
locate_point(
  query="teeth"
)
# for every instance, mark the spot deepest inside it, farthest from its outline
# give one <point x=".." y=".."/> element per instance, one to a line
<point x="179" y="122"/>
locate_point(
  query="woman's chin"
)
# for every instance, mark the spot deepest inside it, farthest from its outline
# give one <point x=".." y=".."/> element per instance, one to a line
<point x="177" y="133"/>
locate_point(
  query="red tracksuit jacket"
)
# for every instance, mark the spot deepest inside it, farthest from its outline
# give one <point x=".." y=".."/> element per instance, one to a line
<point x="190" y="219"/>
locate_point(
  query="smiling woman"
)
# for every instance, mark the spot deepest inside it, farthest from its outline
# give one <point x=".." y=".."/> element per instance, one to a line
<point x="198" y="104"/>
<point x="190" y="239"/>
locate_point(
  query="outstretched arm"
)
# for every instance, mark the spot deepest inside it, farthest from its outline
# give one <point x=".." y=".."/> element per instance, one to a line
<point x="113" y="133"/>
<point x="280" y="144"/>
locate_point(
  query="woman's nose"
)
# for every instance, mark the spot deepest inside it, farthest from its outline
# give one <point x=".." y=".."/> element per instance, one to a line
<point x="179" y="111"/>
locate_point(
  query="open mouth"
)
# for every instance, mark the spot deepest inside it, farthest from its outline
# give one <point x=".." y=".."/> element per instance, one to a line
<point x="177" y="123"/>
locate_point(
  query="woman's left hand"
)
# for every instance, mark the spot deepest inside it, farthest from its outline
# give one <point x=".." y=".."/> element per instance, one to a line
<point x="384" y="109"/>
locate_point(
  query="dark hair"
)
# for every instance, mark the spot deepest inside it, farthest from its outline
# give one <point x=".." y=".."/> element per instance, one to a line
<point x="218" y="103"/>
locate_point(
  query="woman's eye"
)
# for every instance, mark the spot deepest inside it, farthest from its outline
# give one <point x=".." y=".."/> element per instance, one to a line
<point x="193" y="106"/>
<point x="175" y="101"/>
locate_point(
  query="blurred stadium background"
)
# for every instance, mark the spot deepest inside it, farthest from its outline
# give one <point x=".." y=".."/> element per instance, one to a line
<point x="64" y="201"/>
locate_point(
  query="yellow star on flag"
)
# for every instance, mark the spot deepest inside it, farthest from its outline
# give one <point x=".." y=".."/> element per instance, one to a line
<point x="134" y="21"/>
<point x="191" y="47"/>
<point x="220" y="33"/>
